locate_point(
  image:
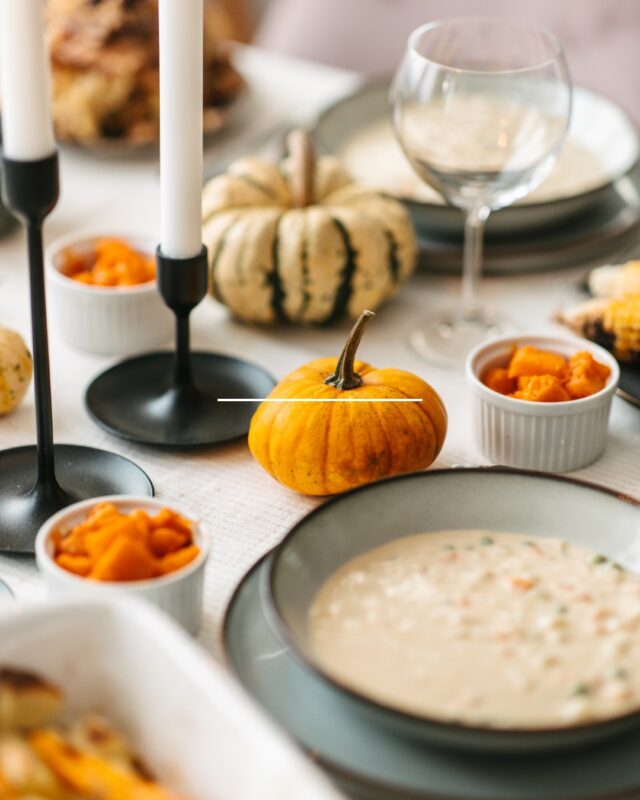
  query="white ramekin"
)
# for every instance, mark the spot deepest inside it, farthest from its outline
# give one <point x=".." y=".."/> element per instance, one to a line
<point x="107" y="320"/>
<point x="552" y="437"/>
<point x="179" y="594"/>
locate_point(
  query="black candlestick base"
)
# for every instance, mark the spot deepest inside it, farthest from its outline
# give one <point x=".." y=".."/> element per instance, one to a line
<point x="173" y="399"/>
<point x="81" y="473"/>
<point x="35" y="482"/>
<point x="137" y="400"/>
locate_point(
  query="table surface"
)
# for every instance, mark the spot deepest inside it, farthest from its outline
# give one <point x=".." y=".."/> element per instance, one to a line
<point x="245" y="511"/>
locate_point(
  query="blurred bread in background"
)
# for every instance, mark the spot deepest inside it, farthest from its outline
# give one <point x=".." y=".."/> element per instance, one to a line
<point x="105" y="78"/>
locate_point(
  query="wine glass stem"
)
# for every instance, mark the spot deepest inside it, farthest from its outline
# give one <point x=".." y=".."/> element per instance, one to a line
<point x="474" y="223"/>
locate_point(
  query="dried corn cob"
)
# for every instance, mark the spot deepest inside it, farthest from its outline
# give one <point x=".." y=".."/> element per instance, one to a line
<point x="612" y="323"/>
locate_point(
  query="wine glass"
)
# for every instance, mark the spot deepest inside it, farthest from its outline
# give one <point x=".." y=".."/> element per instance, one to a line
<point x="481" y="108"/>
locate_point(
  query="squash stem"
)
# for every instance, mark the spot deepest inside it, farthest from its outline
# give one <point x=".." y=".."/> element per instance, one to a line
<point x="345" y="377"/>
<point x="303" y="167"/>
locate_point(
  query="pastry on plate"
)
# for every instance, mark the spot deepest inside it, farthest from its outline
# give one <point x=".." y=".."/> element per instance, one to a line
<point x="613" y="322"/>
<point x="105" y="74"/>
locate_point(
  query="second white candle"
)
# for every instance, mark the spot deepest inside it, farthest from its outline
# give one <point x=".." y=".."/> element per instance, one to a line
<point x="181" y="57"/>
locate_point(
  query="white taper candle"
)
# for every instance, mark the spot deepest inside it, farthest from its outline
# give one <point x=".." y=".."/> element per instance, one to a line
<point x="27" y="129"/>
<point x="181" y="126"/>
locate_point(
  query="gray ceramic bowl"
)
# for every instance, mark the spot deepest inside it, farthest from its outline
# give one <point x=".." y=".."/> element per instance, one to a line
<point x="597" y="124"/>
<point x="492" y="498"/>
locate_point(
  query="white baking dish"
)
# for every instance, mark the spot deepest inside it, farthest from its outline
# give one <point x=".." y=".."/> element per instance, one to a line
<point x="185" y="716"/>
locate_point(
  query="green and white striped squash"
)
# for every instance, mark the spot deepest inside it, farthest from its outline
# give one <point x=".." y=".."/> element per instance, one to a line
<point x="301" y="242"/>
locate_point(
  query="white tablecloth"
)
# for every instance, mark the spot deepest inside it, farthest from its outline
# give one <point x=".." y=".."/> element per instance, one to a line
<point x="244" y="509"/>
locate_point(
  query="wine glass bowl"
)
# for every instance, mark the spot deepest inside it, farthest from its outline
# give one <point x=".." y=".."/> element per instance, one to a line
<point x="481" y="109"/>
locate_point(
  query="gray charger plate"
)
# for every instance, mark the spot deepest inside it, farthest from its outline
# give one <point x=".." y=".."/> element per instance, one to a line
<point x="370" y="764"/>
<point x="582" y="229"/>
<point x="609" y="226"/>
<point x="494" y="498"/>
<point x="629" y="386"/>
<point x="596" y="123"/>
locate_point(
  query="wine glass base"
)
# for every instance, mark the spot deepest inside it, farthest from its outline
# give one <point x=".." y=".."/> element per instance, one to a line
<point x="81" y="472"/>
<point x="136" y="400"/>
<point x="448" y="338"/>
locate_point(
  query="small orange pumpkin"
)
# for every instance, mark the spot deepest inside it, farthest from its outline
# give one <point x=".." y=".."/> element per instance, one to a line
<point x="321" y="448"/>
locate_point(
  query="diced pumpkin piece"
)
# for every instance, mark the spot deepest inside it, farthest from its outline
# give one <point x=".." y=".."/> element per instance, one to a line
<point x="166" y="518"/>
<point x="99" y="541"/>
<point x="586" y="375"/>
<point x="181" y="523"/>
<point x="101" y="512"/>
<point x="72" y="543"/>
<point x="142" y="522"/>
<point x="167" y="540"/>
<point x="162" y="519"/>
<point x="529" y="360"/>
<point x="179" y="559"/>
<point x="125" y="560"/>
<point x="497" y="378"/>
<point x="541" y="389"/>
<point x="78" y="564"/>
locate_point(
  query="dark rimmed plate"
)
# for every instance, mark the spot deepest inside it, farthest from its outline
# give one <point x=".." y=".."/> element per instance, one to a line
<point x="595" y="236"/>
<point x="497" y="499"/>
<point x="597" y="124"/>
<point x="370" y="764"/>
<point x="629" y="386"/>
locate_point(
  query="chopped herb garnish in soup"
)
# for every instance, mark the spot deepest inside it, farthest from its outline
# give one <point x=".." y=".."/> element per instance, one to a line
<point x="484" y="628"/>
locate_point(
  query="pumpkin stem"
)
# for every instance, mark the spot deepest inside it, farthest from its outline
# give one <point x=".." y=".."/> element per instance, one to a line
<point x="303" y="167"/>
<point x="345" y="377"/>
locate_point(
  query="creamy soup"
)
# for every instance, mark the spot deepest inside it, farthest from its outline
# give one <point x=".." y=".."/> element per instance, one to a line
<point x="491" y="629"/>
<point x="374" y="156"/>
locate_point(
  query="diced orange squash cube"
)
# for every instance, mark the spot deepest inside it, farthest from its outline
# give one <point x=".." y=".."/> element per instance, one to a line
<point x="99" y="541"/>
<point x="162" y="519"/>
<point x="529" y="360"/>
<point x="179" y="559"/>
<point x="166" y="518"/>
<point x="167" y="540"/>
<point x="497" y="378"/>
<point x="586" y="375"/>
<point x="72" y="542"/>
<point x="142" y="522"/>
<point x="79" y="565"/>
<point x="182" y="524"/>
<point x="125" y="560"/>
<point x="541" y="389"/>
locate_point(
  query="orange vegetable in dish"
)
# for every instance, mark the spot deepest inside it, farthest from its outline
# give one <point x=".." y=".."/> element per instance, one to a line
<point x="544" y="377"/>
<point x="586" y="375"/>
<point x="111" y="263"/>
<point x="110" y="545"/>
<point x="497" y="378"/>
<point x="531" y="361"/>
<point x="541" y="389"/>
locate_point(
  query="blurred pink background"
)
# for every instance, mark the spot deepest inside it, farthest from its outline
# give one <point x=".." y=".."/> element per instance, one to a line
<point x="601" y="37"/>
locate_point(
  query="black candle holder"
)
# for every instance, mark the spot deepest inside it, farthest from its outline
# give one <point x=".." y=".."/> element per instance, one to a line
<point x="173" y="399"/>
<point x="37" y="481"/>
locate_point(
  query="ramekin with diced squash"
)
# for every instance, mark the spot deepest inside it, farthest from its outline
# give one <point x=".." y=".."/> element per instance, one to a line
<point x="125" y="544"/>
